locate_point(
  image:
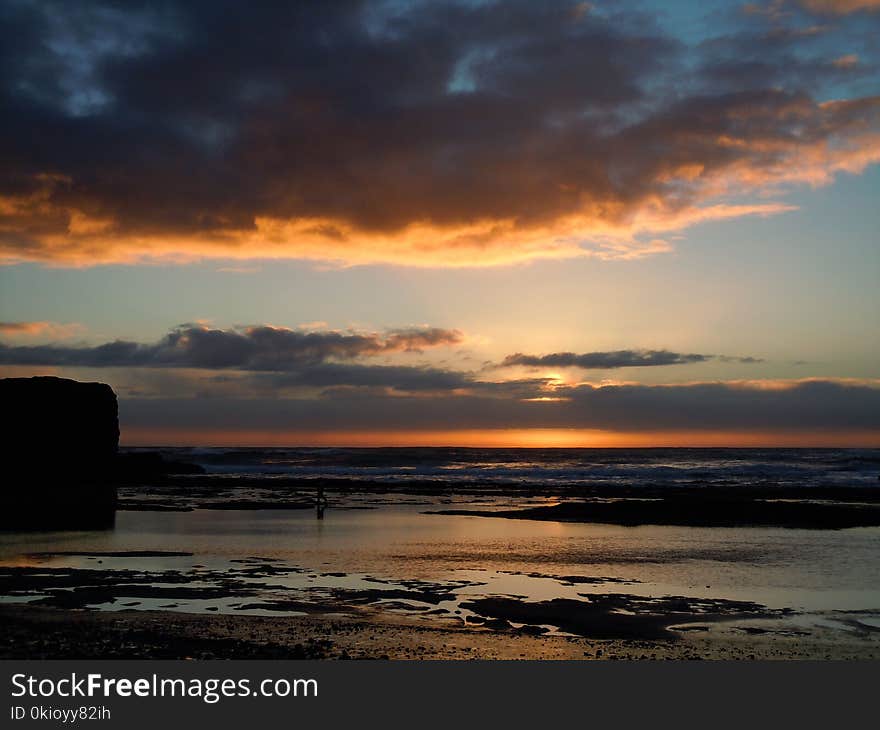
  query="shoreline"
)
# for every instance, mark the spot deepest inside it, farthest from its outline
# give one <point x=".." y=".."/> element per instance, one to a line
<point x="766" y="505"/>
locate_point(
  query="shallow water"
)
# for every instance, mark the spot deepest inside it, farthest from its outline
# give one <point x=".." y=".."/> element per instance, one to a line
<point x="399" y="548"/>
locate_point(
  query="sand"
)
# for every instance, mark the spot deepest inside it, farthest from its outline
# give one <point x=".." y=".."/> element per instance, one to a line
<point x="35" y="633"/>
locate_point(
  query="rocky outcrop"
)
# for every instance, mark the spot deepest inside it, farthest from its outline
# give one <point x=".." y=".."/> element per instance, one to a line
<point x="150" y="467"/>
<point x="59" y="452"/>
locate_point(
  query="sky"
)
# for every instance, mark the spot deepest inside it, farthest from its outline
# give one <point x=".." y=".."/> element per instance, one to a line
<point x="448" y="223"/>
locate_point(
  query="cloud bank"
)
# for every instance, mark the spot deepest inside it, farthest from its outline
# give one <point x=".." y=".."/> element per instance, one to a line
<point x="431" y="134"/>
<point x="262" y="378"/>
<point x="319" y="357"/>
<point x="810" y="406"/>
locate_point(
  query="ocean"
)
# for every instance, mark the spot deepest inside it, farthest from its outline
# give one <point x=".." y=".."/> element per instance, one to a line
<point x="546" y="468"/>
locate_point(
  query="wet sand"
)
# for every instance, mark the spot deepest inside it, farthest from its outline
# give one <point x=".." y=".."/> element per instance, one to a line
<point x="34" y="632"/>
<point x="98" y="613"/>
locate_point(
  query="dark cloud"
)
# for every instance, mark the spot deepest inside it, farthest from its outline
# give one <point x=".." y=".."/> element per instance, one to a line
<point x="792" y="46"/>
<point x="606" y="360"/>
<point x="748" y="360"/>
<point x="807" y="406"/>
<point x="297" y="358"/>
<point x="266" y="378"/>
<point x="315" y="380"/>
<point x="259" y="348"/>
<point x="428" y="133"/>
<point x="351" y="375"/>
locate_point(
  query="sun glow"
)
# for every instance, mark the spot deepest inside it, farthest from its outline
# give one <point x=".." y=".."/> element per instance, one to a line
<point x="502" y="438"/>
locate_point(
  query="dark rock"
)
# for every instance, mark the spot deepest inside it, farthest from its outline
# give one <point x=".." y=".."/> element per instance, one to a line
<point x="497" y="624"/>
<point x="709" y="508"/>
<point x="530" y="630"/>
<point x="61" y="439"/>
<point x="137" y="467"/>
<point x="70" y="421"/>
<point x="612" y="615"/>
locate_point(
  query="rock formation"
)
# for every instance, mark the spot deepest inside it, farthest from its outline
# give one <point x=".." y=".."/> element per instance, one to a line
<point x="60" y="451"/>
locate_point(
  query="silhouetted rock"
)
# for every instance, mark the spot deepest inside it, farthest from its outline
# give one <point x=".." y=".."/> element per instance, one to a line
<point x="60" y="445"/>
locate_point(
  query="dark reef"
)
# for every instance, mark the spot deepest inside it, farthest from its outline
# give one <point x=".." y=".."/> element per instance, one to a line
<point x="140" y="467"/>
<point x="702" y="509"/>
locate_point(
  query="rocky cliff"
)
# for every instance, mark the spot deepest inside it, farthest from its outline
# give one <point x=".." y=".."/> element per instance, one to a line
<point x="59" y="453"/>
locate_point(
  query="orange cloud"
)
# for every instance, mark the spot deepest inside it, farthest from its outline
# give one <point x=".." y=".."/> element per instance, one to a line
<point x="500" y="438"/>
<point x="490" y="242"/>
<point x="840" y="7"/>
<point x="783" y="384"/>
<point x="754" y="155"/>
<point x="848" y="61"/>
<point x="54" y="330"/>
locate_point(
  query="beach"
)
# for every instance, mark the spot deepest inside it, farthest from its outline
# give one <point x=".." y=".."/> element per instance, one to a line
<point x="56" y="634"/>
<point x="472" y="556"/>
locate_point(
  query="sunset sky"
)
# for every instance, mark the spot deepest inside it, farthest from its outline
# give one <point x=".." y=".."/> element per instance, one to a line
<point x="477" y="223"/>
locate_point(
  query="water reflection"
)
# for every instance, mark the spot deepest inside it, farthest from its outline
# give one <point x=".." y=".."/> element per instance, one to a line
<point x="800" y="569"/>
